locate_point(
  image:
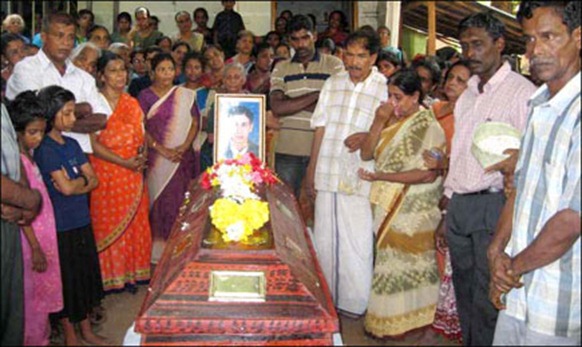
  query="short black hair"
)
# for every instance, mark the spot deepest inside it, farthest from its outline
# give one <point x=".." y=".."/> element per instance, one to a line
<point x="162" y="38"/>
<point x="86" y="11"/>
<point x="136" y="52"/>
<point x="124" y="15"/>
<point x="486" y="20"/>
<point x="299" y="22"/>
<point x="160" y="58"/>
<point x="54" y="99"/>
<point x="370" y="40"/>
<point x="431" y="64"/>
<point x="446" y="53"/>
<point x="257" y="49"/>
<point x="409" y="82"/>
<point x="25" y="108"/>
<point x="236" y="110"/>
<point x="150" y="50"/>
<point x="568" y="10"/>
<point x="58" y="18"/>
<point x="461" y="62"/>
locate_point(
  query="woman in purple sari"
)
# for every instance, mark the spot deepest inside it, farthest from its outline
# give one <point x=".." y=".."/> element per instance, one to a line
<point x="171" y="127"/>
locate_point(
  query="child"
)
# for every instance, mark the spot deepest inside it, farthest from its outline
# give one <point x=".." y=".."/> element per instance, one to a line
<point x="43" y="292"/>
<point x="69" y="177"/>
<point x="226" y="27"/>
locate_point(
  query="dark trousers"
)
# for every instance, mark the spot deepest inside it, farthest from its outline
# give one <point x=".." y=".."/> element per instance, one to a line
<point x="471" y="222"/>
<point x="12" y="286"/>
<point x="291" y="169"/>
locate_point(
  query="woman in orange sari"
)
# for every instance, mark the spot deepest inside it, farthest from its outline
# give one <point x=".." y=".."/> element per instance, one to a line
<point x="119" y="205"/>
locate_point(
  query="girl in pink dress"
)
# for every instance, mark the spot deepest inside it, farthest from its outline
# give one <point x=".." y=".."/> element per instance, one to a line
<point x="42" y="272"/>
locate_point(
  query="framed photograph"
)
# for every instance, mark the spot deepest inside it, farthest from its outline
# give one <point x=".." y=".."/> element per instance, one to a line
<point x="239" y="125"/>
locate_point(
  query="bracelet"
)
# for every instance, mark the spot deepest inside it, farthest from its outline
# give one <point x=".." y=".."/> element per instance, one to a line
<point x="85" y="180"/>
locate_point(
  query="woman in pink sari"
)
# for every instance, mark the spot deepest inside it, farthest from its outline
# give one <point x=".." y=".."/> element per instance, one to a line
<point x="171" y="127"/>
<point x="43" y="291"/>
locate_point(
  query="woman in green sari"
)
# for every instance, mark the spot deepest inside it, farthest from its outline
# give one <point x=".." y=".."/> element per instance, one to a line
<point x="404" y="197"/>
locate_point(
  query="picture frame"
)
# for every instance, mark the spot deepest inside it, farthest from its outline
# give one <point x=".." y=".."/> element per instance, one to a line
<point x="235" y="111"/>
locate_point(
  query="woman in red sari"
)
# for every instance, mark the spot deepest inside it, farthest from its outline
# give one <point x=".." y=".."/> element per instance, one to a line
<point x="119" y="205"/>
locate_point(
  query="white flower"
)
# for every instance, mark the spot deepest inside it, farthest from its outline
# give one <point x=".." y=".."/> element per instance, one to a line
<point x="235" y="231"/>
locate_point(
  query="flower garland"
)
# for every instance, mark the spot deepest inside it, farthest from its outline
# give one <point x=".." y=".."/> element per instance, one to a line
<point x="239" y="211"/>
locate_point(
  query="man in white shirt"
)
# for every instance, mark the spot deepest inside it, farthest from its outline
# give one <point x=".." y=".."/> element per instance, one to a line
<point x="52" y="66"/>
<point x="343" y="233"/>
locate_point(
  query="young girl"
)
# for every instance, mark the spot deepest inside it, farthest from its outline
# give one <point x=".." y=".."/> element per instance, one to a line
<point x="69" y="177"/>
<point x="43" y="292"/>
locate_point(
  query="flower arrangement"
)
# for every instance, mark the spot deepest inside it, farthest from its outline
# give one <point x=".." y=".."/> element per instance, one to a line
<point x="239" y="211"/>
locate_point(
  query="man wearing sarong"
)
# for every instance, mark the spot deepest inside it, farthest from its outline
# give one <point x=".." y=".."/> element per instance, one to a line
<point x="343" y="234"/>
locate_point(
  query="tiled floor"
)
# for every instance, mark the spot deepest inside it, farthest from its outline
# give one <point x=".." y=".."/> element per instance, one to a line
<point x="122" y="309"/>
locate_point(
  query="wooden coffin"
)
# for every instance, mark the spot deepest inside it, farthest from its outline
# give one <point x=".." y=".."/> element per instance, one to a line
<point x="206" y="292"/>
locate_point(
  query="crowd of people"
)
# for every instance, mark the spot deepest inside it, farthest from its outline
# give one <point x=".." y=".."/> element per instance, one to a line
<point x="103" y="132"/>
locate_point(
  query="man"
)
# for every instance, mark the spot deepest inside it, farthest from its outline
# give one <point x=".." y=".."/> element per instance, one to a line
<point x="241" y="119"/>
<point x="535" y="254"/>
<point x="343" y="219"/>
<point x="52" y="66"/>
<point x="494" y="93"/>
<point x="19" y="205"/>
<point x="140" y="83"/>
<point x="295" y="87"/>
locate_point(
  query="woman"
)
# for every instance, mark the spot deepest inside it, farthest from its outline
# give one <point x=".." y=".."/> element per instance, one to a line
<point x="143" y="34"/>
<point x="171" y="125"/>
<point x="122" y="229"/>
<point x="13" y="51"/>
<point x="85" y="20"/>
<point x="259" y="78"/>
<point x="85" y="57"/>
<point x="194" y="39"/>
<point x="215" y="65"/>
<point x="193" y="67"/>
<point x="404" y="199"/>
<point x="99" y="35"/>
<point x="446" y="321"/>
<point x="123" y="28"/>
<point x="388" y="64"/>
<point x="244" y="49"/>
<point x="14" y="24"/>
<point x="337" y="29"/>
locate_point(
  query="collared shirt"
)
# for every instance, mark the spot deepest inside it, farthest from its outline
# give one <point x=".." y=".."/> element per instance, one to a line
<point x="548" y="180"/>
<point x="345" y="108"/>
<point x="504" y="99"/>
<point x="10" y="158"/>
<point x="290" y="77"/>
<point x="37" y="72"/>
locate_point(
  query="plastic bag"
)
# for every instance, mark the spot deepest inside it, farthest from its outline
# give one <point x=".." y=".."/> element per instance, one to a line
<point x="349" y="182"/>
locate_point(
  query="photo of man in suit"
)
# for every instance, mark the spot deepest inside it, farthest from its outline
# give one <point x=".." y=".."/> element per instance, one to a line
<point x="241" y="119"/>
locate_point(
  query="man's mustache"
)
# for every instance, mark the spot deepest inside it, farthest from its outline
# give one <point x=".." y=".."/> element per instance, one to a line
<point x="538" y="61"/>
<point x="355" y="68"/>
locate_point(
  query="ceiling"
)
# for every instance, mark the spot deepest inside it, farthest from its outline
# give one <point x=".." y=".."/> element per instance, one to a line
<point x="450" y="13"/>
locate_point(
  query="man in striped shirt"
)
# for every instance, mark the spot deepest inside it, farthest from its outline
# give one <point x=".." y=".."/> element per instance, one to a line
<point x="535" y="254"/>
<point x="494" y="93"/>
<point x="295" y="87"/>
<point x="343" y="235"/>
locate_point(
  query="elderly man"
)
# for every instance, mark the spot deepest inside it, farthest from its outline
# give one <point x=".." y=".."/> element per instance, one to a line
<point x="52" y="66"/>
<point x="494" y="93"/>
<point x="343" y="219"/>
<point x="535" y="254"/>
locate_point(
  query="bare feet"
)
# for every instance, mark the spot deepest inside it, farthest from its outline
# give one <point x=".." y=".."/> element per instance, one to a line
<point x="89" y="336"/>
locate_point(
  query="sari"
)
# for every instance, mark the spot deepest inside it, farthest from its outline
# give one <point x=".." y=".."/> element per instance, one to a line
<point x="119" y="205"/>
<point x="168" y="121"/>
<point x="405" y="283"/>
<point x="43" y="291"/>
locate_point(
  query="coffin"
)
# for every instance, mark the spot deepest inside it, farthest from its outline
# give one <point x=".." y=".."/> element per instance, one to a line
<point x="207" y="292"/>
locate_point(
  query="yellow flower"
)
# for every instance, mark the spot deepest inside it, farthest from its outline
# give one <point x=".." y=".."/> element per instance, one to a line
<point x="229" y="217"/>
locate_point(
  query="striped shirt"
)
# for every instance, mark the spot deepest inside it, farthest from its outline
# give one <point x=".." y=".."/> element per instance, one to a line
<point x="345" y="108"/>
<point x="548" y="181"/>
<point x="290" y="77"/>
<point x="504" y="99"/>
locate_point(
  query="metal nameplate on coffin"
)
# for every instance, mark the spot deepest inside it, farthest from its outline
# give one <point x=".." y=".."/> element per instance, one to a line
<point x="239" y="286"/>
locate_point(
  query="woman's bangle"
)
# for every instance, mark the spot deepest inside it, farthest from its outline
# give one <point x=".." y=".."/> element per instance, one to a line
<point x="85" y="180"/>
<point x="154" y="144"/>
